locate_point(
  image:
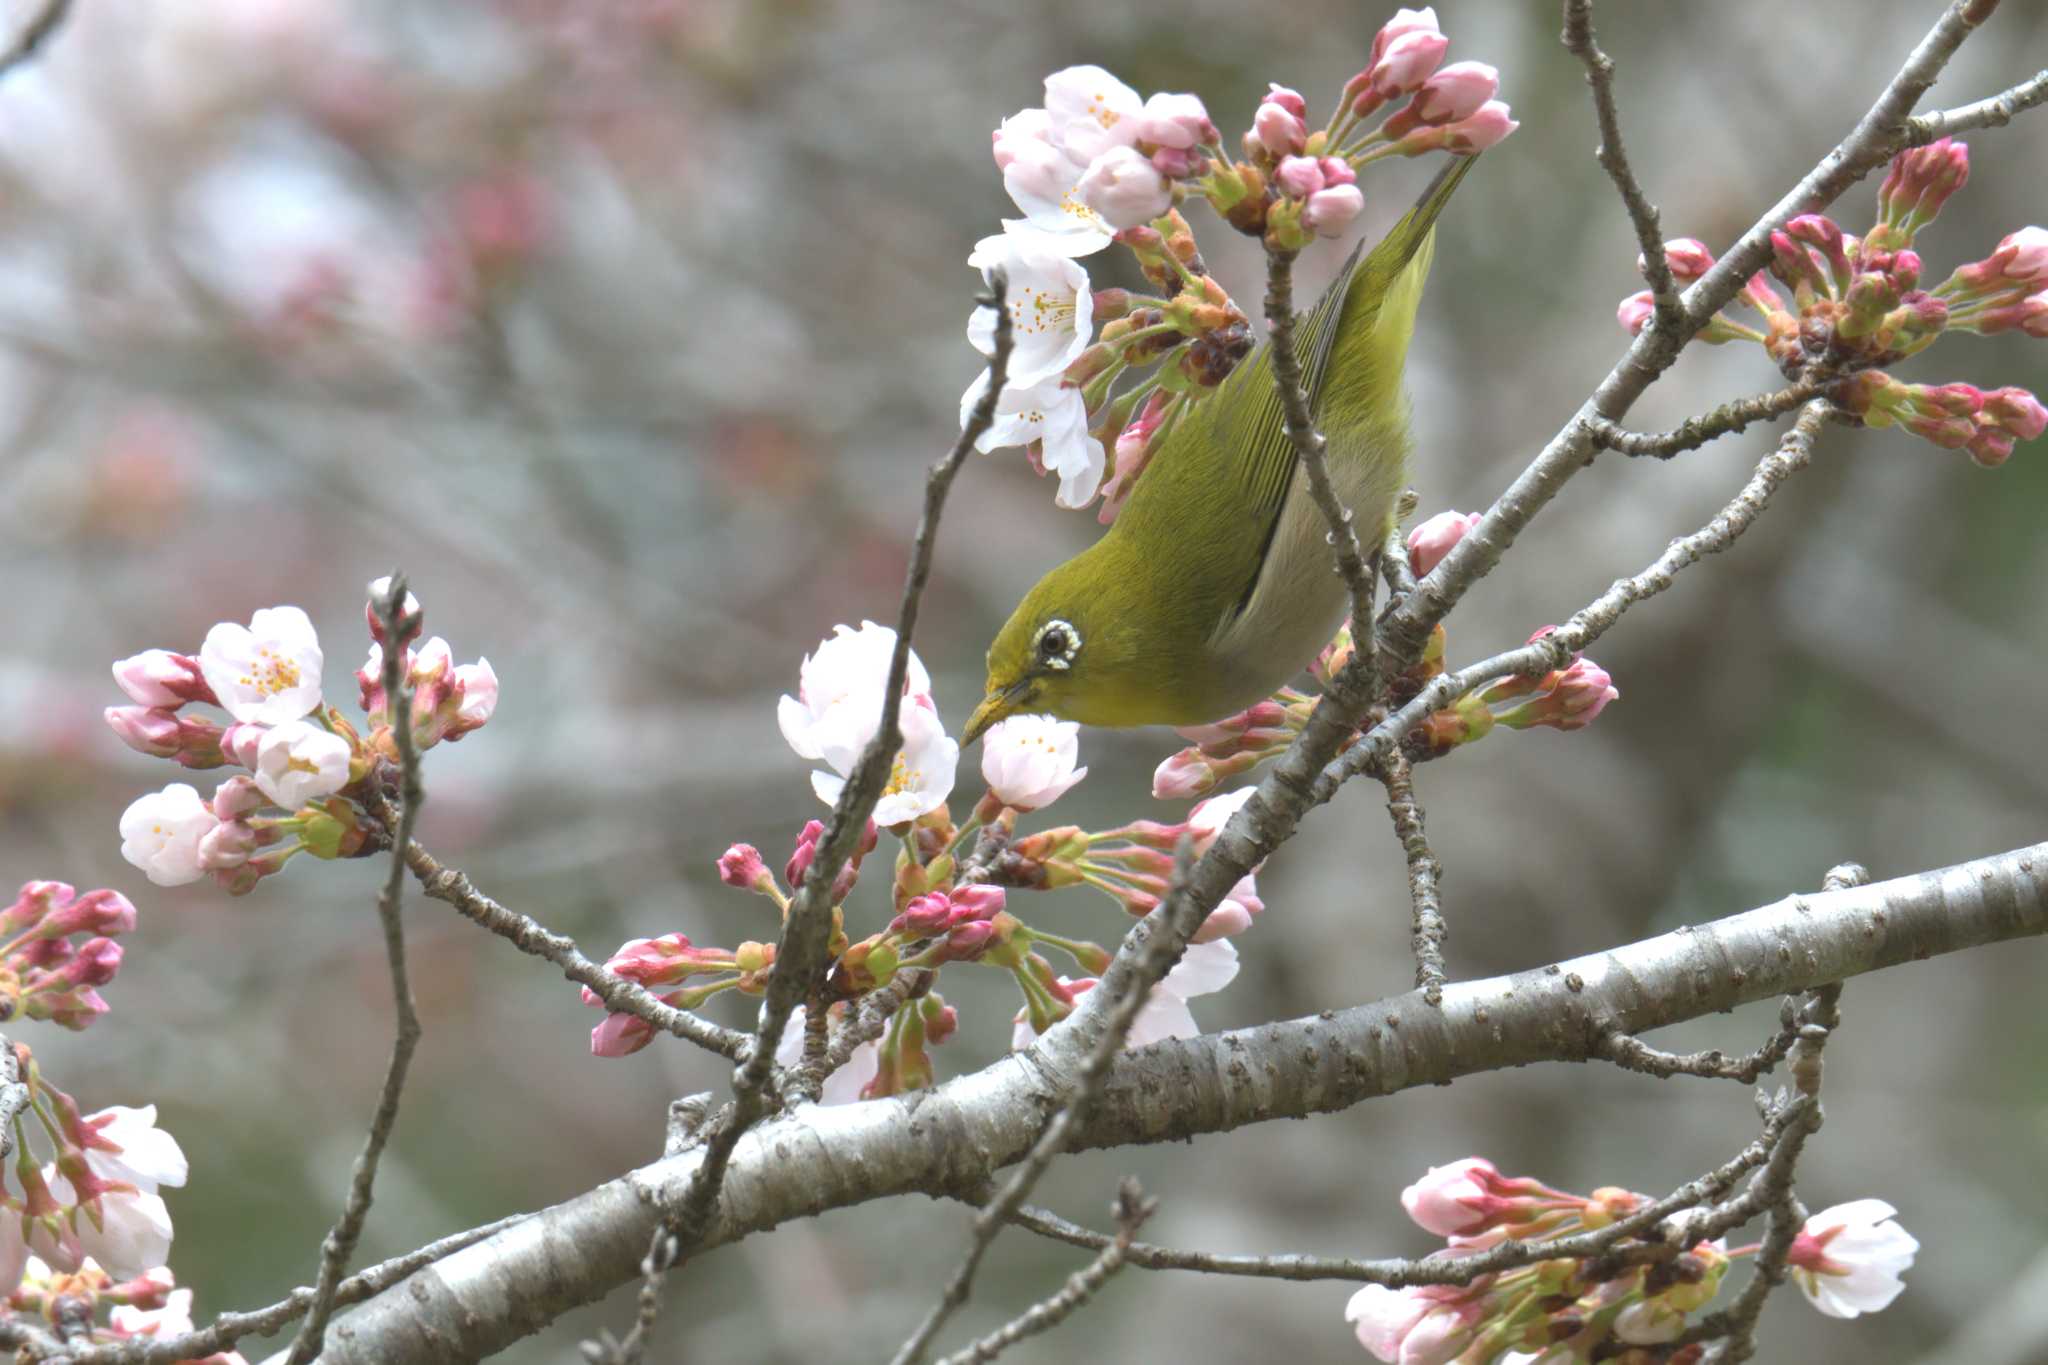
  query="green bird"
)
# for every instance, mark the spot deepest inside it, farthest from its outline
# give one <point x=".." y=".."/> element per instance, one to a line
<point x="1215" y="585"/>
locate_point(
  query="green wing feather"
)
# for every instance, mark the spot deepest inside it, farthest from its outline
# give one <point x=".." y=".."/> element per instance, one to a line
<point x="1256" y="428"/>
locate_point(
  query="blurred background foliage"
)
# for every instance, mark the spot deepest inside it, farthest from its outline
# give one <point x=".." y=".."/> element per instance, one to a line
<point x="627" y="330"/>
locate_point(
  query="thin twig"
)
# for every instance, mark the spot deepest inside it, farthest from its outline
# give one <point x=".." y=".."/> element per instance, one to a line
<point x="867" y="1020"/>
<point x="340" y="1242"/>
<point x="1869" y="145"/>
<point x="1132" y="1209"/>
<point x="800" y="955"/>
<point x="1995" y="112"/>
<point x="1613" y="158"/>
<point x="1128" y="985"/>
<point x="1308" y="442"/>
<point x="1695" y="432"/>
<point x="1633" y="1054"/>
<point x="1395" y="1272"/>
<point x="1793" y="454"/>
<point x="32" y="37"/>
<point x="619" y="995"/>
<point x="654" y="1267"/>
<point x="1424" y="872"/>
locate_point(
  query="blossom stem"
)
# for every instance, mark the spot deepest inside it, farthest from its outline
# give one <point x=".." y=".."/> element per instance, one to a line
<point x="1077" y="949"/>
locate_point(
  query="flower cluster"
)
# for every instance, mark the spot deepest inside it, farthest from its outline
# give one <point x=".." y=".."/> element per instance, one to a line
<point x="301" y="757"/>
<point x="1097" y="163"/>
<point x="1858" y="304"/>
<point x="938" y="916"/>
<point x="1847" y="1260"/>
<point x="43" y="973"/>
<point x="146" y="1306"/>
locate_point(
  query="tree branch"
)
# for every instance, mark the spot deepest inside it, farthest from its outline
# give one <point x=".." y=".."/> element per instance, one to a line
<point x="1424" y="872"/>
<point x="950" y="1139"/>
<point x="1132" y="1209"/>
<point x="1995" y="112"/>
<point x="1695" y="432"/>
<point x="1869" y="145"/>
<point x="1613" y="158"/>
<point x="340" y="1242"/>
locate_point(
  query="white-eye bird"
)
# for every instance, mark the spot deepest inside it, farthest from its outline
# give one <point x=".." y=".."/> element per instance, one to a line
<point x="1216" y="584"/>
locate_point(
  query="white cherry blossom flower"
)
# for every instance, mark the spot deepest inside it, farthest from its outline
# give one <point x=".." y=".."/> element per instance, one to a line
<point x="838" y="706"/>
<point x="1052" y="309"/>
<point x="1091" y="111"/>
<point x="1847" y="1259"/>
<point x="160" y="834"/>
<point x="148" y="1156"/>
<point x="299" y="762"/>
<point x="1041" y="178"/>
<point x="842" y="1086"/>
<point x="133" y="1234"/>
<point x="266" y="672"/>
<point x="1028" y="761"/>
<point x="1204" y="969"/>
<point x="920" y="779"/>
<point x="1056" y="417"/>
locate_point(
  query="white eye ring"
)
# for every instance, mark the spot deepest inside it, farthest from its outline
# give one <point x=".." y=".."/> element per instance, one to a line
<point x="1047" y="647"/>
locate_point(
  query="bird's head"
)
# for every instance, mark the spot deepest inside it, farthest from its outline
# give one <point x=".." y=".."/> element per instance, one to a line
<point x="1044" y="660"/>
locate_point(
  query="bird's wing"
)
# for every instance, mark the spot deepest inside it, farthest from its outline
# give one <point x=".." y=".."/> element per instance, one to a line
<point x="1257" y="429"/>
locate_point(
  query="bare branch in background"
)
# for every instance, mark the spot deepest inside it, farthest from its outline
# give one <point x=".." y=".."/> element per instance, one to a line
<point x="1613" y="157"/>
<point x="654" y="1268"/>
<point x="1132" y="1209"/>
<point x="1127" y="985"/>
<point x="34" y="34"/>
<point x="1424" y="872"/>
<point x="340" y="1243"/>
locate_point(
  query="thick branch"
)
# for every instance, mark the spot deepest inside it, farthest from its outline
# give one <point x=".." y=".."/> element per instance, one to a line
<point x="950" y="1140"/>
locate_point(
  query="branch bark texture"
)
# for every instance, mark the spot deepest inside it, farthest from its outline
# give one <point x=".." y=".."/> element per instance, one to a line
<point x="950" y="1140"/>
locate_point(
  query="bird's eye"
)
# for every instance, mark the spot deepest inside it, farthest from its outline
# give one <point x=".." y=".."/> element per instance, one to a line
<point x="1057" y="644"/>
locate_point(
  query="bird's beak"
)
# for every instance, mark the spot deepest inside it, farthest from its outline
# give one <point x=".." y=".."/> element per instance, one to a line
<point x="994" y="707"/>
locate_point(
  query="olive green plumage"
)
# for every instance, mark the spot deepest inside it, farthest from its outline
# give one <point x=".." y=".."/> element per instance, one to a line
<point x="1216" y="584"/>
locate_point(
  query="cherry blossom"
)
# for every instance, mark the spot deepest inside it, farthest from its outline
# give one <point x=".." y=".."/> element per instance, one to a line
<point x="299" y="762"/>
<point x="1050" y="304"/>
<point x="160" y="834"/>
<point x="1028" y="761"/>
<point x="1847" y="1259"/>
<point x="266" y="672"/>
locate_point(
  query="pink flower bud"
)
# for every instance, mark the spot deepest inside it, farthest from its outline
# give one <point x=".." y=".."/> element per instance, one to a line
<point x="96" y="912"/>
<point x="1635" y="311"/>
<point x="977" y="901"/>
<point x="147" y="730"/>
<point x="741" y="866"/>
<point x="1405" y="62"/>
<point x="620" y="1035"/>
<point x="1289" y="100"/>
<point x="1300" y="176"/>
<point x="1920" y="181"/>
<point x="1688" y="258"/>
<point x="1455" y="93"/>
<point x="1177" y="164"/>
<point x="2018" y="411"/>
<point x="1470" y="136"/>
<point x="1187" y="773"/>
<point x="806" y="851"/>
<point x="1433" y="539"/>
<point x="1452" y="1200"/>
<point x="1279" y="130"/>
<point x="1336" y="171"/>
<point x="228" y="845"/>
<point x="1125" y="188"/>
<point x="1175" y="121"/>
<point x="240" y="742"/>
<point x="236" y="797"/>
<point x="966" y="940"/>
<point x="97" y="962"/>
<point x="1329" y="211"/>
<point x="157" y="677"/>
<point x="34" y="902"/>
<point x="925" y="916"/>
<point x="940" y="1024"/>
<point x="409" y="615"/>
